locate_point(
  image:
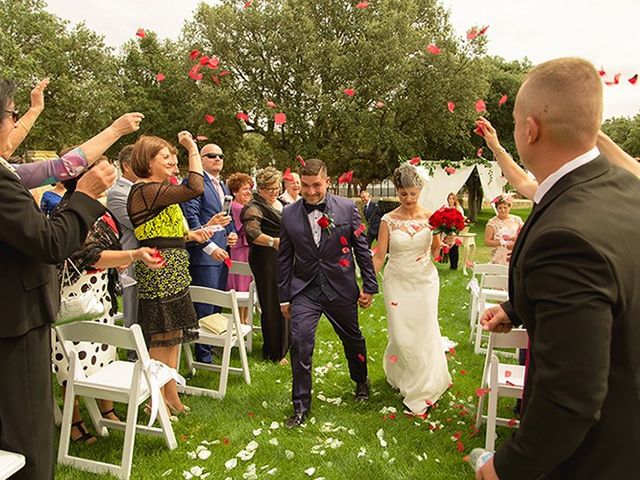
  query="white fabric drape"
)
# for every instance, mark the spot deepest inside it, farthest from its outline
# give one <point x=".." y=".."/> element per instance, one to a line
<point x="437" y="187"/>
<point x="491" y="180"/>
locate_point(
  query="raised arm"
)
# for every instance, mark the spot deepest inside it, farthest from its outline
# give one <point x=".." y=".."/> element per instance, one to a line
<point x="616" y="155"/>
<point x="26" y="122"/>
<point x="95" y="147"/>
<point x="513" y="172"/>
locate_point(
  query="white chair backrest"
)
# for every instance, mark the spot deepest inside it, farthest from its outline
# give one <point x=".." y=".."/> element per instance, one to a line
<point x="217" y="298"/>
<point x="121" y="337"/>
<point x="241" y="268"/>
<point x="490" y="269"/>
<point x="516" y="338"/>
<point x="497" y="282"/>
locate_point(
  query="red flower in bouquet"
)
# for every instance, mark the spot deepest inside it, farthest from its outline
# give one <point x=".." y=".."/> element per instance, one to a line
<point x="447" y="220"/>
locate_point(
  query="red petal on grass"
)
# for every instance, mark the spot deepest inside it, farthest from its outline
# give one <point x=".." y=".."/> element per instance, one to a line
<point x="160" y="77"/>
<point x="452" y="350"/>
<point x="415" y="161"/>
<point x="503" y="100"/>
<point x="141" y="33"/>
<point x="280" y="118"/>
<point x="242" y="116"/>
<point x="481" y="106"/>
<point x="362" y="5"/>
<point x="451" y="106"/>
<point x="433" y="49"/>
<point x="481" y="392"/>
<point x="346" y="177"/>
<point x="349" y="91"/>
<point x="215" y="79"/>
<point x="225" y="441"/>
<point x="460" y="447"/>
<point x="209" y="119"/>
<point x="463" y="372"/>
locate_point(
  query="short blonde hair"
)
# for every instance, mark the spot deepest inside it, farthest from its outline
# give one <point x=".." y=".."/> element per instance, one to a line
<point x="268" y="176"/>
<point x="565" y="96"/>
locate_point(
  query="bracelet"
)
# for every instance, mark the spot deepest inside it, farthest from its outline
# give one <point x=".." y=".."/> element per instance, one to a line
<point x="131" y="256"/>
<point x="21" y="123"/>
<point x="194" y="154"/>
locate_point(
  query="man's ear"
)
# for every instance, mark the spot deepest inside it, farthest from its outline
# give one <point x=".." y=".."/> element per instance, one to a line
<point x="533" y="130"/>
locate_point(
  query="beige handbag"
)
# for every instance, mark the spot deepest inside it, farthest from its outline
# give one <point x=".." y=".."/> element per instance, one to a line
<point x="216" y="323"/>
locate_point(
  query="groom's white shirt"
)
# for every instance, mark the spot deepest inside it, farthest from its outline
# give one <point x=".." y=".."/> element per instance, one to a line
<point x="567" y="168"/>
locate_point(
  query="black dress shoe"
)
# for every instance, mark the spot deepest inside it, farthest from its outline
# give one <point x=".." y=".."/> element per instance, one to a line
<point x="296" y="420"/>
<point x="362" y="391"/>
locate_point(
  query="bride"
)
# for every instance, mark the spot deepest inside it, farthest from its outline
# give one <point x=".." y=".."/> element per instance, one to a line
<point x="414" y="361"/>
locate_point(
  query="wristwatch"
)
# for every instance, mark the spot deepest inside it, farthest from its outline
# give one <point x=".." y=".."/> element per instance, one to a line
<point x="272" y="242"/>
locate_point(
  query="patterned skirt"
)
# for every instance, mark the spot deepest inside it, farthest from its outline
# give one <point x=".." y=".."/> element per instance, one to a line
<point x="164" y="304"/>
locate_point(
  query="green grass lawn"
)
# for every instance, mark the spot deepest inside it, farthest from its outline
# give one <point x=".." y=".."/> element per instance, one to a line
<point x="339" y="441"/>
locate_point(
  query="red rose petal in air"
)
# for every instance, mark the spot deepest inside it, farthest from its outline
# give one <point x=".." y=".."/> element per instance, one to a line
<point x="449" y="170"/>
<point x="393" y="358"/>
<point x="271" y="104"/>
<point x="472" y="33"/>
<point x="433" y="49"/>
<point x="601" y="72"/>
<point x="141" y="33"/>
<point x="481" y="106"/>
<point x="228" y="262"/>
<point x="194" y="72"/>
<point x="209" y="119"/>
<point x="393" y="304"/>
<point x="346" y="177"/>
<point x="160" y="77"/>
<point x="344" y="241"/>
<point x="301" y="160"/>
<point x="242" y="116"/>
<point x="483" y="30"/>
<point x="247" y="4"/>
<point x="204" y="60"/>
<point x="215" y="79"/>
<point x="287" y="175"/>
<point x="615" y="81"/>
<point x="633" y="80"/>
<point x="458" y="242"/>
<point x="213" y="63"/>
<point x="349" y="91"/>
<point x="362" y="5"/>
<point x="344" y="262"/>
<point x="280" y="118"/>
<point x="415" y="161"/>
<point x="224" y="73"/>
<point x="451" y="106"/>
<point x="361" y="357"/>
<point x="512" y="423"/>
<point x="480" y="152"/>
<point x="194" y="54"/>
<point x="360" y="230"/>
<point x="503" y="100"/>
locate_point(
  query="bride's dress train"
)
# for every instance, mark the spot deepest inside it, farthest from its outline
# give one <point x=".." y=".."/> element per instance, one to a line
<point x="414" y="361"/>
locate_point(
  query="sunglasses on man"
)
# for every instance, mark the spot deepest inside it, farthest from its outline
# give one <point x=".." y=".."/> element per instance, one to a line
<point x="214" y="155"/>
<point x="14" y="114"/>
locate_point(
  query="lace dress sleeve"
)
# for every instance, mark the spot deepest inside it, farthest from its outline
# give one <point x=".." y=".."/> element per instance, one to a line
<point x="251" y="217"/>
<point x="146" y="200"/>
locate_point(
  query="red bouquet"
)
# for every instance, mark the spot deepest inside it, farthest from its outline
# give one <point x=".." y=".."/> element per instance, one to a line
<point x="447" y="220"/>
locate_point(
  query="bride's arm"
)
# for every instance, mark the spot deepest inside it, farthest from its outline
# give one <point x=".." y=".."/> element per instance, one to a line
<point x="383" y="247"/>
<point x="436" y="243"/>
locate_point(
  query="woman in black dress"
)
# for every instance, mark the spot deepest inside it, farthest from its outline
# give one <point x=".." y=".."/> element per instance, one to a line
<point x="261" y="219"/>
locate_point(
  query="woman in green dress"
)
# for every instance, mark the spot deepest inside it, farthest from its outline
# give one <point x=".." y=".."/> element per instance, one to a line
<point x="165" y="311"/>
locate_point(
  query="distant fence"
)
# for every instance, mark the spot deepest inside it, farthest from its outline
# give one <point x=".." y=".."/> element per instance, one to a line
<point x="383" y="189"/>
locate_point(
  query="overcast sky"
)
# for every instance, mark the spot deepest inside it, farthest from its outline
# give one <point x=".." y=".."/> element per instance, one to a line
<point x="603" y="31"/>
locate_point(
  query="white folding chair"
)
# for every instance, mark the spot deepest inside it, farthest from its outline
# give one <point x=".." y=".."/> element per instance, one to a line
<point x="493" y="291"/>
<point x="120" y="381"/>
<point x="234" y="336"/>
<point x="501" y="380"/>
<point x="10" y="463"/>
<point x="474" y="289"/>
<point x="247" y="299"/>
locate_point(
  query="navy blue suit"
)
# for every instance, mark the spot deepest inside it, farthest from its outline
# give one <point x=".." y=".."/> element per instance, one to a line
<point x="373" y="215"/>
<point x="204" y="270"/>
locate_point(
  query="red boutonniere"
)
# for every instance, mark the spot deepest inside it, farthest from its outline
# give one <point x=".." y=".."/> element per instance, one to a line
<point x="326" y="222"/>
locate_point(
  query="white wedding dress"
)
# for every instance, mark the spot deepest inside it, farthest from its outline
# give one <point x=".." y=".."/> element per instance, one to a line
<point x="414" y="361"/>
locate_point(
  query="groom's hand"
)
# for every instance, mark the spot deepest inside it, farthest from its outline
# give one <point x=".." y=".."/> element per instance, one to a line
<point x="365" y="300"/>
<point x="487" y="471"/>
<point x="285" y="308"/>
<point x="495" y="319"/>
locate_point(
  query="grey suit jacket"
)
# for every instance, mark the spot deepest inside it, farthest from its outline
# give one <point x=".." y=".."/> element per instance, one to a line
<point x="117" y="204"/>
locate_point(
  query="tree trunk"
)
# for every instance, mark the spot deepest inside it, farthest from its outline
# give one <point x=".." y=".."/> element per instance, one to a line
<point x="475" y="195"/>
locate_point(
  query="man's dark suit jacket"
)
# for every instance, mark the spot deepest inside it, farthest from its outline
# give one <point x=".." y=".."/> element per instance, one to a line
<point x="373" y="215"/>
<point x="30" y="247"/>
<point x="574" y="283"/>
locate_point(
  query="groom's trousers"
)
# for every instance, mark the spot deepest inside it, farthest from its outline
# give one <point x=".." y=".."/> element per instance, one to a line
<point x="306" y="309"/>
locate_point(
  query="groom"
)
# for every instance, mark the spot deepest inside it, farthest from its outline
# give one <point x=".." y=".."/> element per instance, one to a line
<point x="318" y="240"/>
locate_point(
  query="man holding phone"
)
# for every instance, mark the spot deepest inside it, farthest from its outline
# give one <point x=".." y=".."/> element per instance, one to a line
<point x="207" y="260"/>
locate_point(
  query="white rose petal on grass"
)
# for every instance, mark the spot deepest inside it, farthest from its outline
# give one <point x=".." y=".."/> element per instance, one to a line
<point x="380" y="435"/>
<point x="191" y="455"/>
<point x="196" y="471"/>
<point x="257" y="432"/>
<point x="187" y="475"/>
<point x="288" y="454"/>
<point x="168" y="472"/>
<point x="251" y="446"/>
<point x="362" y="452"/>
<point x="265" y="404"/>
<point x="205" y="475"/>
<point x="274" y="426"/>
<point x="272" y="471"/>
<point x="274" y="442"/>
<point x="310" y="471"/>
<point x="204" y="454"/>
<point x="245" y="455"/>
<point x="231" y="463"/>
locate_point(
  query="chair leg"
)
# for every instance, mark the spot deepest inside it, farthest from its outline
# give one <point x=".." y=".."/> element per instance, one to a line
<point x="244" y="361"/>
<point x="492" y="407"/>
<point x="129" y="441"/>
<point x="96" y="416"/>
<point x="224" y="368"/>
<point x="480" y="410"/>
<point x="57" y="413"/>
<point x="167" y="429"/>
<point x="188" y="355"/>
<point x="67" y="420"/>
<point x="473" y="315"/>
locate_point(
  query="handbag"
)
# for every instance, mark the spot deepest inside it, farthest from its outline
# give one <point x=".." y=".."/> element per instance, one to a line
<point x="216" y="323"/>
<point x="83" y="306"/>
